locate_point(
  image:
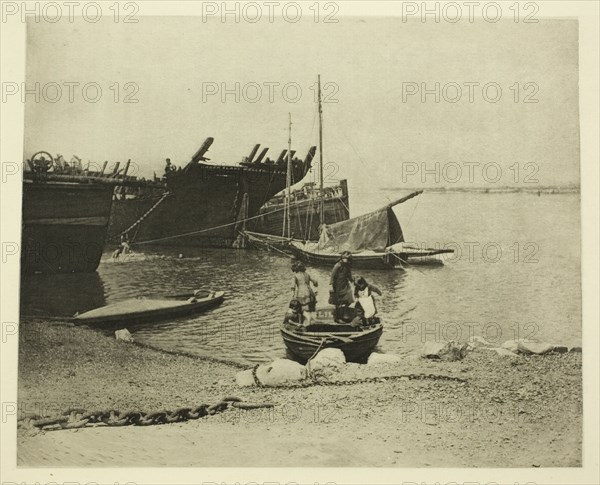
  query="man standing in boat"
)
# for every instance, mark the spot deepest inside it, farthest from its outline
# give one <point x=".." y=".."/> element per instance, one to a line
<point x="341" y="279"/>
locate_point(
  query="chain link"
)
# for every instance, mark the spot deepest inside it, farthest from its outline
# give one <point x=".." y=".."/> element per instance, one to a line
<point x="75" y="418"/>
<point x="313" y="381"/>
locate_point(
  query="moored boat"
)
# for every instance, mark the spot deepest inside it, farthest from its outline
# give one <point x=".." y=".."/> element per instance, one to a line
<point x="305" y="210"/>
<point x="375" y="240"/>
<point x="143" y="310"/>
<point x="301" y="213"/>
<point x="356" y="343"/>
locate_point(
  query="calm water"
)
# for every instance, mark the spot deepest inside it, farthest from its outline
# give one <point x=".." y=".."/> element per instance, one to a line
<point x="516" y="272"/>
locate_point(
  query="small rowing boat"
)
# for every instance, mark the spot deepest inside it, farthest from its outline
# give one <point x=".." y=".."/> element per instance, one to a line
<point x="357" y="343"/>
<point x="141" y="310"/>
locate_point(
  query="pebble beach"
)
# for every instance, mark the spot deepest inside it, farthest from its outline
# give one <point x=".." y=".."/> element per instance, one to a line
<point x="508" y="412"/>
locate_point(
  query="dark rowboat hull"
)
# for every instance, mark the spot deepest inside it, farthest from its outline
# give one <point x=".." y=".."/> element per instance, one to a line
<point x="146" y="310"/>
<point x="356" y="345"/>
<point x="387" y="260"/>
<point x="379" y="261"/>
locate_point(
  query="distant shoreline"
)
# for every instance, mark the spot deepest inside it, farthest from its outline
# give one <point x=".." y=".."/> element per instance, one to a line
<point x="548" y="190"/>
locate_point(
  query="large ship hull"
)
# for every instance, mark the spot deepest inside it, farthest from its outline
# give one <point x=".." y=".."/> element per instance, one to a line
<point x="64" y="226"/>
<point x="305" y="213"/>
<point x="203" y="205"/>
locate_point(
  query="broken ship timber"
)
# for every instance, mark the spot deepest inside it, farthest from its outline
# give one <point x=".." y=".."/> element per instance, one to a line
<point x="203" y="204"/>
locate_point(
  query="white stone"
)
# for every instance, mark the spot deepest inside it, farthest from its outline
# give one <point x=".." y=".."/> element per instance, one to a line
<point x="245" y="378"/>
<point x="280" y="372"/>
<point x="504" y="352"/>
<point x="124" y="335"/>
<point x="477" y="342"/>
<point x="448" y="351"/>
<point x="334" y="358"/>
<point x="432" y="349"/>
<point x="511" y="345"/>
<point x="525" y="347"/>
<point x="377" y="358"/>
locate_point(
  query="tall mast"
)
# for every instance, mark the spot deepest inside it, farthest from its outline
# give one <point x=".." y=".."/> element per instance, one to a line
<point x="322" y="207"/>
<point x="289" y="176"/>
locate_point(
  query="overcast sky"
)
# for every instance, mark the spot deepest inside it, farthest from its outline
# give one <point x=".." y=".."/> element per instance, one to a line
<point x="369" y="133"/>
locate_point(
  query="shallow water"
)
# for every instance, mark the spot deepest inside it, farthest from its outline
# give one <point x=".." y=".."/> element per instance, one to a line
<point x="515" y="273"/>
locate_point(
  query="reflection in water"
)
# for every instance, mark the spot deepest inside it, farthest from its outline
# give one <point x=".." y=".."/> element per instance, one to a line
<point x="60" y="294"/>
<point x="468" y="293"/>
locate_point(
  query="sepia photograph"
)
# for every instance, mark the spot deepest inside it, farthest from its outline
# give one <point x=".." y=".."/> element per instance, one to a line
<point x="338" y="236"/>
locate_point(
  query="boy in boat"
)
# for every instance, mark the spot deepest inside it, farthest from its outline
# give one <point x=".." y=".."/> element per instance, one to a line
<point x="302" y="290"/>
<point x="364" y="304"/>
<point x="341" y="278"/>
<point x="295" y="314"/>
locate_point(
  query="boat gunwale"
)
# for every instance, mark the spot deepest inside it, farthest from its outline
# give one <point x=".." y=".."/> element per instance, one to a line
<point x="369" y="331"/>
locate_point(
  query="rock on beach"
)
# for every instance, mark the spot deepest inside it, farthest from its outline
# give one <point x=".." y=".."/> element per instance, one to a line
<point x="448" y="351"/>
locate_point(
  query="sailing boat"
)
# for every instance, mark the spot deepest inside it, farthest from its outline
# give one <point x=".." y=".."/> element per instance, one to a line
<point x="310" y="206"/>
<point x="375" y="241"/>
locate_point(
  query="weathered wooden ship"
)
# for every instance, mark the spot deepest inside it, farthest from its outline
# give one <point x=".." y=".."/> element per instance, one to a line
<point x="65" y="216"/>
<point x="203" y="204"/>
<point x="305" y="210"/>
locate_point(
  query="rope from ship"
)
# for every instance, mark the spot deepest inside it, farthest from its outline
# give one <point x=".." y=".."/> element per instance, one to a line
<point x="313" y="381"/>
<point x="345" y="206"/>
<point x="200" y="231"/>
<point x="299" y="218"/>
<point x="278" y="250"/>
<point x="74" y="418"/>
<point x="308" y="369"/>
<point x="413" y="211"/>
<point x="148" y="212"/>
<point x="309" y="214"/>
<point x="406" y="262"/>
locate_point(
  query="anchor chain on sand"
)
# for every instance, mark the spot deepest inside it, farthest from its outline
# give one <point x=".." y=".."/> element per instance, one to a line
<point x="78" y="418"/>
<point x="312" y="381"/>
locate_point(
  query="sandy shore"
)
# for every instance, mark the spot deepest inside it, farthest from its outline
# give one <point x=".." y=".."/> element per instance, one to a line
<point x="510" y="413"/>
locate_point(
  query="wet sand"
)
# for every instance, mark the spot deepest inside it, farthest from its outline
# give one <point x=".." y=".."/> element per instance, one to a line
<point x="523" y="412"/>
